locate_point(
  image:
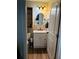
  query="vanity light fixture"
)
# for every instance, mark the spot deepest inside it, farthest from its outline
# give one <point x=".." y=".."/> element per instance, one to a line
<point x="41" y="7"/>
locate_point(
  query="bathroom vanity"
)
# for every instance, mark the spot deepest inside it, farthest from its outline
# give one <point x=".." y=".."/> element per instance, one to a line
<point x="40" y="39"/>
<point x="39" y="29"/>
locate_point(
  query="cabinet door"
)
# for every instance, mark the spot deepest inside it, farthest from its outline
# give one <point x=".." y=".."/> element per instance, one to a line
<point x="43" y="40"/>
<point x="36" y="40"/>
<point x="40" y="40"/>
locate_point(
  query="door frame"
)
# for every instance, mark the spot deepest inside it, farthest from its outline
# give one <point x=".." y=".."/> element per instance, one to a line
<point x="58" y="33"/>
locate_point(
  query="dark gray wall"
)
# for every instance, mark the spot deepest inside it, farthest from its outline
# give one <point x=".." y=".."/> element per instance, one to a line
<point x="21" y="29"/>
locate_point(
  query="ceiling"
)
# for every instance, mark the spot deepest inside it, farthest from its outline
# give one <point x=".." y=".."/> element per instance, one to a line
<point x="49" y="2"/>
<point x="39" y="0"/>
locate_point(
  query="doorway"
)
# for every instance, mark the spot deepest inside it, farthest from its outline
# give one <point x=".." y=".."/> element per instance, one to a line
<point x="42" y="25"/>
<point x="35" y="51"/>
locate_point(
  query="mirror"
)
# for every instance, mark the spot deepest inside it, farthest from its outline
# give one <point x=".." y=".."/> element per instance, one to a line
<point x="39" y="19"/>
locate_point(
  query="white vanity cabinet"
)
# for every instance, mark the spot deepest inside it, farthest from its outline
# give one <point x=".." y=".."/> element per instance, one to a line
<point x="40" y="39"/>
